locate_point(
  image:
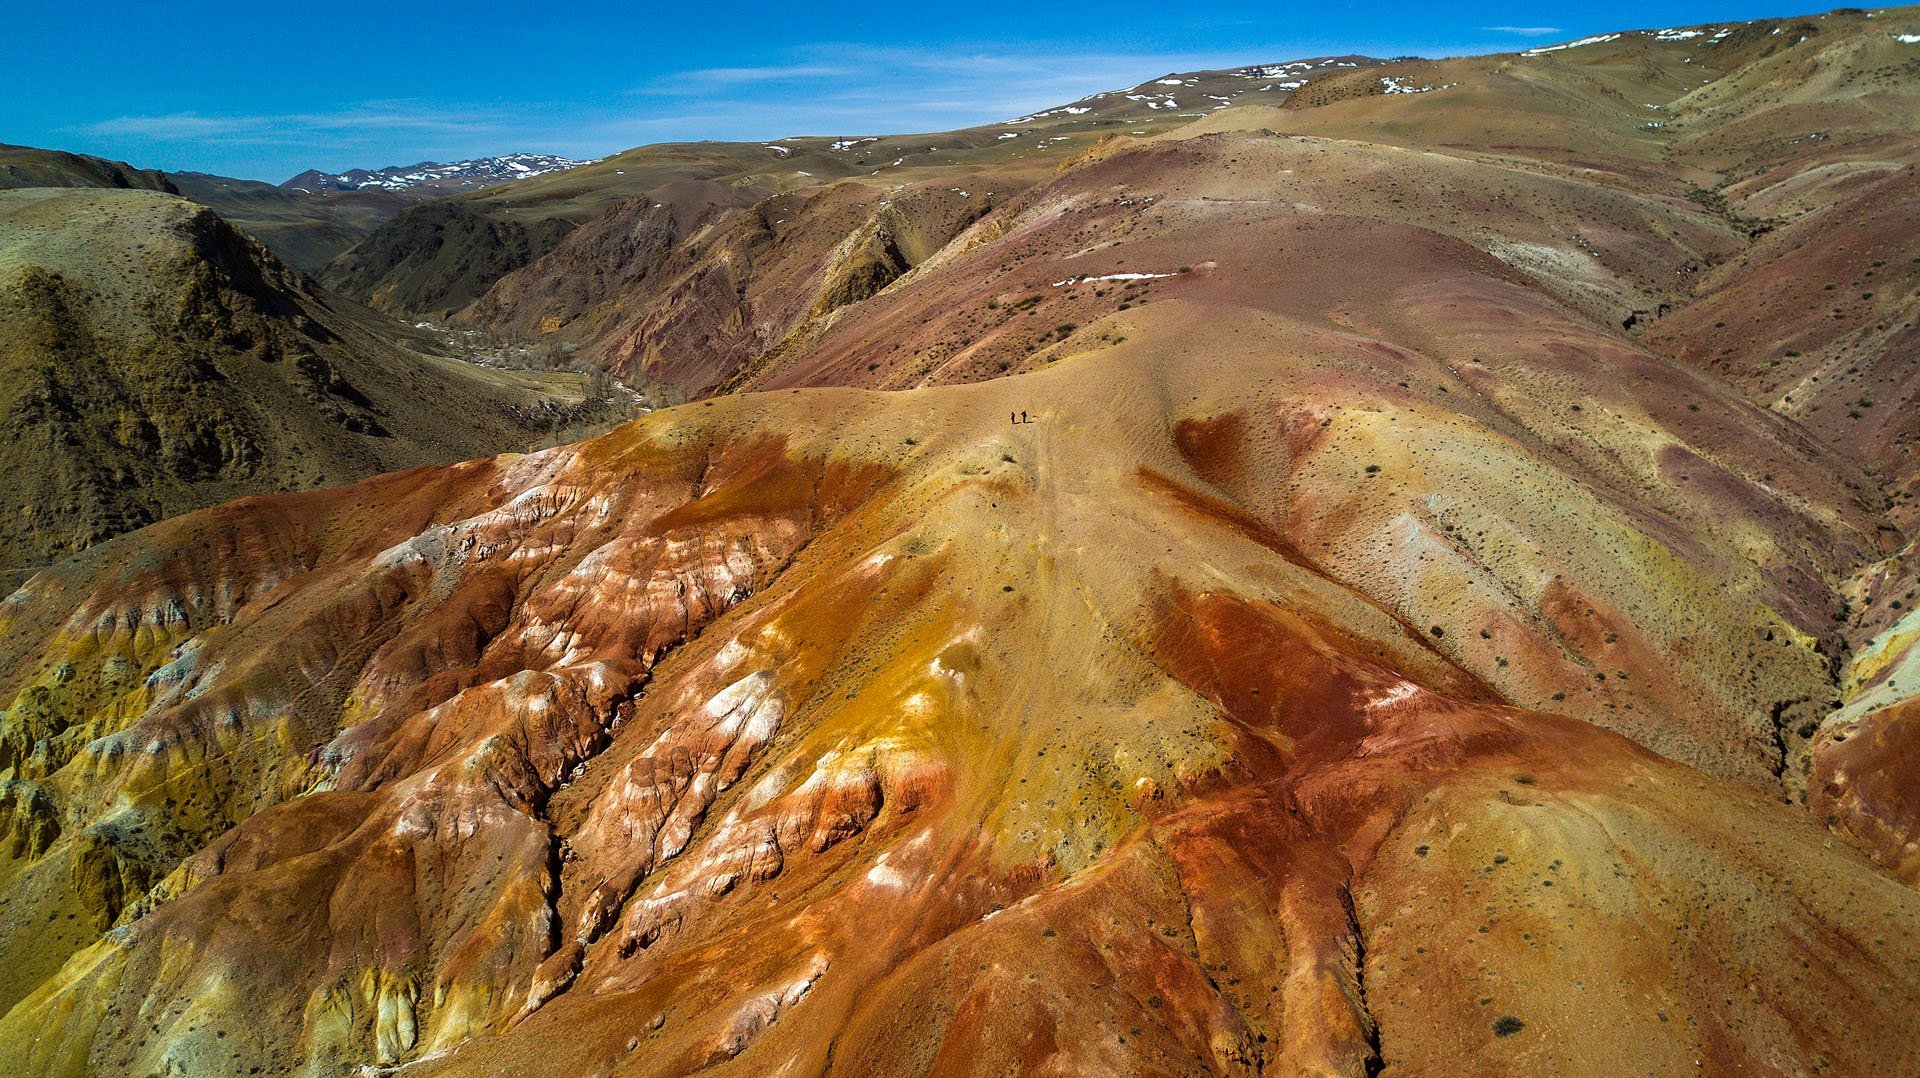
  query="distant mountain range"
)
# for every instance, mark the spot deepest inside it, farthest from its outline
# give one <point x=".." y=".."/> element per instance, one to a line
<point x="459" y="176"/>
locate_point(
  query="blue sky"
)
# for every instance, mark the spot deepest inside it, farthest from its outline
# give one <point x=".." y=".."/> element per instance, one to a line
<point x="264" y="90"/>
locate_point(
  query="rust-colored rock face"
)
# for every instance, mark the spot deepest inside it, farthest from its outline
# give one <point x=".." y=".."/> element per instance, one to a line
<point x="1247" y="603"/>
<point x="874" y="733"/>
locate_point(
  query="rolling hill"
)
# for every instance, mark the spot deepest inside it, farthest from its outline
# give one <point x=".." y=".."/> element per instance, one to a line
<point x="304" y="229"/>
<point x="25" y="166"/>
<point x="437" y="259"/>
<point x="154" y="360"/>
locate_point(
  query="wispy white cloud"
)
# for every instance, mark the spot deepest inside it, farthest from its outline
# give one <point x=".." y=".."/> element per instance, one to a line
<point x="861" y="89"/>
<point x="1524" y="31"/>
<point x="822" y="89"/>
<point x="181" y="125"/>
<point x="707" y="79"/>
<point x="358" y="122"/>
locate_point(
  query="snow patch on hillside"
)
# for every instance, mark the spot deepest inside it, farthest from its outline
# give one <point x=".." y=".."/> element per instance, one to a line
<point x="478" y="172"/>
<point x="1397" y="84"/>
<point x="1597" y="39"/>
<point x="1114" y="277"/>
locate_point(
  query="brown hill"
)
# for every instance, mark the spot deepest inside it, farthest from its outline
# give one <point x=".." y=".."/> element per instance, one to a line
<point x="306" y="229"/>
<point x="1283" y="592"/>
<point x="153" y="360"/>
<point x="25" y="166"/>
<point x="437" y="258"/>
<point x="843" y="730"/>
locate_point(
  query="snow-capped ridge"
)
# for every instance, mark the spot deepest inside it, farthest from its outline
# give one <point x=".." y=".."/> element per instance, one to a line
<point x="459" y="175"/>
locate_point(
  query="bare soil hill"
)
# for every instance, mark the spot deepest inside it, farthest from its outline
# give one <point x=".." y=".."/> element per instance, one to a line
<point x="306" y="229"/>
<point x="154" y="360"/>
<point x="436" y="258"/>
<point x="1349" y="581"/>
<point x="25" y="166"/>
<point x="1192" y="724"/>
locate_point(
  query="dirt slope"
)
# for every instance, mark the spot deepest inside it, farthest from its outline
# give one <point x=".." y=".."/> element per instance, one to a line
<point x="839" y="730"/>
<point x="153" y="360"/>
<point x="1311" y="587"/>
<point x="25" y="166"/>
<point x="306" y="229"/>
<point x="438" y="257"/>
